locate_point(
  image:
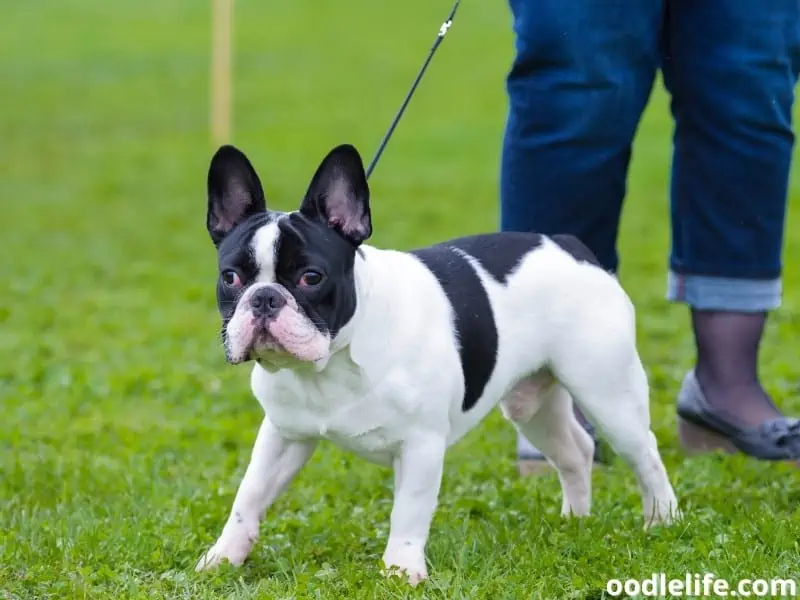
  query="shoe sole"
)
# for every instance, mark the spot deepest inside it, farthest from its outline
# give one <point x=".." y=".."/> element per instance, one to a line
<point x="697" y="440"/>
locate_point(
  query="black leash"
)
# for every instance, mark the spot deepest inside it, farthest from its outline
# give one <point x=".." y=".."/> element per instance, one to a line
<point x="442" y="32"/>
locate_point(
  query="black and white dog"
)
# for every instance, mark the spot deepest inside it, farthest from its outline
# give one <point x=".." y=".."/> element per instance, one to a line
<point x="396" y="355"/>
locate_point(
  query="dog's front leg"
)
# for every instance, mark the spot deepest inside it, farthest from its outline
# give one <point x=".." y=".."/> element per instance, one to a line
<point x="273" y="464"/>
<point x="417" y="477"/>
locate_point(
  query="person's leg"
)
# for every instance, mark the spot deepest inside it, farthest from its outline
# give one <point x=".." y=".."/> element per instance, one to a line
<point x="580" y="79"/>
<point x="731" y="68"/>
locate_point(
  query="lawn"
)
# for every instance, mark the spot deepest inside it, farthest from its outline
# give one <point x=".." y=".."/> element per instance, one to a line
<point x="124" y="432"/>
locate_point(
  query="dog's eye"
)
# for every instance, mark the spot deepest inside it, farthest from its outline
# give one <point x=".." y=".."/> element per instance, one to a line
<point x="231" y="279"/>
<point x="311" y="278"/>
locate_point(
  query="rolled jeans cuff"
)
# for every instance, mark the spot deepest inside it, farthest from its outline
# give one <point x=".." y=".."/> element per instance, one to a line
<point x="723" y="293"/>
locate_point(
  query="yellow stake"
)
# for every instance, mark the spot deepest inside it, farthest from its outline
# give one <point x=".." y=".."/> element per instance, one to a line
<point x="222" y="22"/>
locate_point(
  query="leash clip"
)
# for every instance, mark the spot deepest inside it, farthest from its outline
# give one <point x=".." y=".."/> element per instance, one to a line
<point x="445" y="26"/>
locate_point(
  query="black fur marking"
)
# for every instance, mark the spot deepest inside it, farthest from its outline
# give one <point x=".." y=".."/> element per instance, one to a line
<point x="475" y="327"/>
<point x="576" y="248"/>
<point x="307" y="243"/>
<point x="498" y="253"/>
<point x="501" y="253"/>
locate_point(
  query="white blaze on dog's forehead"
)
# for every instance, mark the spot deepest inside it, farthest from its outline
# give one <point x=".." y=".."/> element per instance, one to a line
<point x="264" y="247"/>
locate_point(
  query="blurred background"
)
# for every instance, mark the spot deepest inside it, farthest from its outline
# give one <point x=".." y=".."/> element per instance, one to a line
<point x="124" y="432"/>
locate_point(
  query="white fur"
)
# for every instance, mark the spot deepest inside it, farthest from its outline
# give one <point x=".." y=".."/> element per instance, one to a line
<point x="392" y="389"/>
<point x="264" y="243"/>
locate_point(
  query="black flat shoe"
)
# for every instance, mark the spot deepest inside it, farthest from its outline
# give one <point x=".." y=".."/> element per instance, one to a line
<point x="703" y="429"/>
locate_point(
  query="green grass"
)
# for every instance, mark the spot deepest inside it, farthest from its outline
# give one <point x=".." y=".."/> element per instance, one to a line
<point x="124" y="433"/>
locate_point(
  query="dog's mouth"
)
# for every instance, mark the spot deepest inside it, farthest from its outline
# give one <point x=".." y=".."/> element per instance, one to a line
<point x="262" y="342"/>
<point x="289" y="334"/>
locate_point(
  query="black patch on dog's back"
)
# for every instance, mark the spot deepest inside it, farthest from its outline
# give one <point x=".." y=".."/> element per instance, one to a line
<point x="576" y="248"/>
<point x="501" y="253"/>
<point x="475" y="327"/>
<point x="498" y="253"/>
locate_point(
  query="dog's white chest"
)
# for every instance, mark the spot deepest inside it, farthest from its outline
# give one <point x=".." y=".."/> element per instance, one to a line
<point x="341" y="407"/>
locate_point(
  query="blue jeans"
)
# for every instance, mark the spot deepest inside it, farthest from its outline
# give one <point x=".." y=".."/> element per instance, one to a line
<point x="580" y="80"/>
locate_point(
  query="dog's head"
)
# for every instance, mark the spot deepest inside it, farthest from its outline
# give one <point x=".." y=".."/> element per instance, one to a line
<point x="286" y="285"/>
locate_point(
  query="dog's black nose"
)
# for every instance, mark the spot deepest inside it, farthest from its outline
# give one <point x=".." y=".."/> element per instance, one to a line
<point x="267" y="302"/>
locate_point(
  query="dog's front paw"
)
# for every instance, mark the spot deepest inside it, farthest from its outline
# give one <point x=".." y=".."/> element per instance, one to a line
<point x="233" y="548"/>
<point x="406" y="560"/>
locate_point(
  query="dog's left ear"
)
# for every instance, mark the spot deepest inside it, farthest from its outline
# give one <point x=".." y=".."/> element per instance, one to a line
<point x="339" y="196"/>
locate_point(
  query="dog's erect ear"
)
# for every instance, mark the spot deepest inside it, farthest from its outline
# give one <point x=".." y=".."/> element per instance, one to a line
<point x="339" y="196"/>
<point x="234" y="192"/>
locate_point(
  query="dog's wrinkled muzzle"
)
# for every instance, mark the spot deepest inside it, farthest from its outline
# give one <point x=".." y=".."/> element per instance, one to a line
<point x="257" y="334"/>
<point x="296" y="335"/>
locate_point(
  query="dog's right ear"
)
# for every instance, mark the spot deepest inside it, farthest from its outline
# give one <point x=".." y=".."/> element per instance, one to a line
<point x="234" y="192"/>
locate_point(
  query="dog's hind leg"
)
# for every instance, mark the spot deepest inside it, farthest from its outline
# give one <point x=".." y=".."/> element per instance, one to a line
<point x="615" y="398"/>
<point x="541" y="409"/>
